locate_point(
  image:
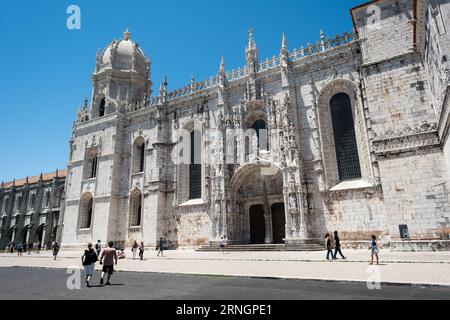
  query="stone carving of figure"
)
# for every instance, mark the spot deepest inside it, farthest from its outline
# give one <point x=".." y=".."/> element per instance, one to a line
<point x="255" y="145"/>
<point x="220" y="119"/>
<point x="217" y="208"/>
<point x="293" y="201"/>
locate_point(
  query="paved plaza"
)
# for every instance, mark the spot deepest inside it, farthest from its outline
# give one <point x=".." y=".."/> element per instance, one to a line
<point x="417" y="268"/>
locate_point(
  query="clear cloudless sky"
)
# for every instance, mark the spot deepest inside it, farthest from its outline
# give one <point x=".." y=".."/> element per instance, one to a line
<point x="46" y="68"/>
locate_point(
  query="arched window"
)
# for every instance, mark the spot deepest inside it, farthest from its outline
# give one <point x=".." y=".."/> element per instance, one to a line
<point x="261" y="132"/>
<point x="90" y="163"/>
<point x="33" y="201"/>
<point x="195" y="166"/>
<point x="344" y="137"/>
<point x="94" y="167"/>
<point x="135" y="208"/>
<point x="47" y="199"/>
<point x="138" y="155"/>
<point x="101" y="108"/>
<point x="86" y="205"/>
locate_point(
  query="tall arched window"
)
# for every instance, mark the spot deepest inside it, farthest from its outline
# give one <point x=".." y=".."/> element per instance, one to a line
<point x="344" y="137"/>
<point x="195" y="166"/>
<point x="86" y="205"/>
<point x="101" y="108"/>
<point x="94" y="167"/>
<point x="138" y="157"/>
<point x="47" y="199"/>
<point x="261" y="132"/>
<point x="90" y="166"/>
<point x="32" y="201"/>
<point x="135" y="208"/>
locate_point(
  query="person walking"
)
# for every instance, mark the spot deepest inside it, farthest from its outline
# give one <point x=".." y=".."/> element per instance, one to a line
<point x="141" y="250"/>
<point x="30" y="247"/>
<point x="337" y="246"/>
<point x="222" y="245"/>
<point x="161" y="247"/>
<point x="88" y="259"/>
<point x="55" y="248"/>
<point x="329" y="246"/>
<point x="19" y="248"/>
<point x="134" y="249"/>
<point x="98" y="247"/>
<point x="374" y="249"/>
<point x="38" y="246"/>
<point x="108" y="259"/>
<point x="11" y="247"/>
<point x="225" y="243"/>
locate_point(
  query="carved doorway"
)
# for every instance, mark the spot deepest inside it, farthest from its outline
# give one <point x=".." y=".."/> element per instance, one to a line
<point x="257" y="224"/>
<point x="278" y="223"/>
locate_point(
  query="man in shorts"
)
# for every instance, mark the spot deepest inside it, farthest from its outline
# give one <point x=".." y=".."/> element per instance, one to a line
<point x="108" y="259"/>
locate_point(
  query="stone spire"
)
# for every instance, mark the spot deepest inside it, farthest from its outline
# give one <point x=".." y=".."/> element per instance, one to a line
<point x="251" y="53"/>
<point x="284" y="52"/>
<point x="222" y="72"/>
<point x="163" y="87"/>
<point x="222" y="65"/>
<point x="284" y="42"/>
<point x="251" y="39"/>
<point x="127" y="35"/>
<point x="322" y="40"/>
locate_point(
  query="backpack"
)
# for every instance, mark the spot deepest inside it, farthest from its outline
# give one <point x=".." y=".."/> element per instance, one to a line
<point x="97" y="246"/>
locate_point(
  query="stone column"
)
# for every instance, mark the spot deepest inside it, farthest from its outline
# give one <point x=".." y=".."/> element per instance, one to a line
<point x="268" y="225"/>
<point x="303" y="230"/>
<point x="43" y="238"/>
<point x="28" y="234"/>
<point x="13" y="234"/>
<point x="287" y="215"/>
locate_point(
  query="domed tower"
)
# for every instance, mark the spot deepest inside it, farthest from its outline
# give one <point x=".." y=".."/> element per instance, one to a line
<point x="121" y="81"/>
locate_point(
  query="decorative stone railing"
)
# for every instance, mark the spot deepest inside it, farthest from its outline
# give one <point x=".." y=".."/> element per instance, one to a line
<point x="267" y="64"/>
<point x="323" y="45"/>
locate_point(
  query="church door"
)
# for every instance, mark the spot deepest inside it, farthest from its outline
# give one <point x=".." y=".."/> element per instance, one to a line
<point x="278" y="223"/>
<point x="257" y="224"/>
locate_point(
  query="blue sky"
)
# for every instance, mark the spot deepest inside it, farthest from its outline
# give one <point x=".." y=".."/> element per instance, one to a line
<point x="46" y="68"/>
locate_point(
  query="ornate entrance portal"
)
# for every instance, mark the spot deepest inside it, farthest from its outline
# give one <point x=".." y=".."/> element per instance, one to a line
<point x="258" y="215"/>
<point x="257" y="224"/>
<point x="278" y="223"/>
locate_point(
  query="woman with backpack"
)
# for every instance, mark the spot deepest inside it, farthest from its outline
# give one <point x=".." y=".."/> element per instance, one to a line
<point x="88" y="260"/>
<point x="329" y="246"/>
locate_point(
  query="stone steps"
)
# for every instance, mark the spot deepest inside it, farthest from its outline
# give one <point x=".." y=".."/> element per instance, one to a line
<point x="263" y="247"/>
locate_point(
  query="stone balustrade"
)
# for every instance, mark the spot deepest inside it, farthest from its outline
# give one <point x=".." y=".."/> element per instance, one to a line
<point x="267" y="64"/>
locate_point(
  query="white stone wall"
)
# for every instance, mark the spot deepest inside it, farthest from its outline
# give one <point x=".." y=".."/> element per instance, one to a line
<point x="416" y="193"/>
<point x="385" y="29"/>
<point x="393" y="95"/>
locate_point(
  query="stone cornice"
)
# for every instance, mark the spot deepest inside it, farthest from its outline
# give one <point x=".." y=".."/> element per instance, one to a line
<point x="397" y="144"/>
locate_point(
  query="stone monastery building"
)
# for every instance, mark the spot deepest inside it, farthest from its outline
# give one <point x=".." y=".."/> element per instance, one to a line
<point x="348" y="134"/>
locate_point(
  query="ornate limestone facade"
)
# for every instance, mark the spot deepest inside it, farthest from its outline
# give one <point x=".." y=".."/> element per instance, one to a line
<point x="348" y="134"/>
